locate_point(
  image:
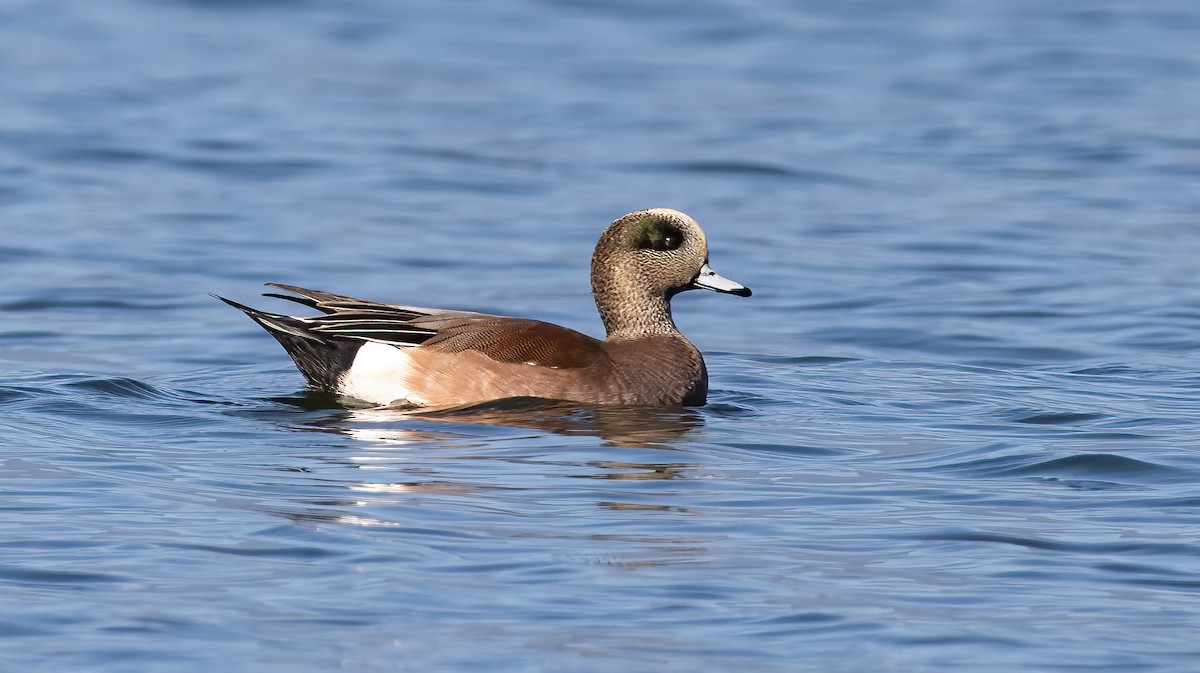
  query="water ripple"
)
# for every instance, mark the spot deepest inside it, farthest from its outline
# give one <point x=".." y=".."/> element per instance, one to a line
<point x="42" y="576"/>
<point x="954" y="429"/>
<point x="1138" y="548"/>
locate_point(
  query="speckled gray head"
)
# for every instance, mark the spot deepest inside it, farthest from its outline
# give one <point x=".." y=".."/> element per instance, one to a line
<point x="645" y="258"/>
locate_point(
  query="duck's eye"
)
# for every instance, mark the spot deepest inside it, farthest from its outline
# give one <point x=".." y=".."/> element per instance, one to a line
<point x="670" y="239"/>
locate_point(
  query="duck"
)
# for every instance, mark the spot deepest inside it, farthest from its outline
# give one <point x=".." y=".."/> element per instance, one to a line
<point x="405" y="356"/>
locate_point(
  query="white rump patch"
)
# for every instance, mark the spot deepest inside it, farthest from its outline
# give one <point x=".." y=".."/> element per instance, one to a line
<point x="380" y="375"/>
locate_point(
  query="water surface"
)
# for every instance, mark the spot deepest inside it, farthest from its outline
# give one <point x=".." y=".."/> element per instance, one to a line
<point x="954" y="430"/>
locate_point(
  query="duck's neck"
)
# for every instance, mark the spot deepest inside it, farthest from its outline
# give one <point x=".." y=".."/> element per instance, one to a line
<point x="630" y="311"/>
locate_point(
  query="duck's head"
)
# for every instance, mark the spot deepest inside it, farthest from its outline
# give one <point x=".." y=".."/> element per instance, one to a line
<point x="645" y="258"/>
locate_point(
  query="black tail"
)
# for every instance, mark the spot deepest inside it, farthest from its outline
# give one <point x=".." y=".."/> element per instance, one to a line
<point x="322" y="358"/>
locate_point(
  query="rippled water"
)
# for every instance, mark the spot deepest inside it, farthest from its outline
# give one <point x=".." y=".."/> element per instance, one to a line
<point x="955" y="429"/>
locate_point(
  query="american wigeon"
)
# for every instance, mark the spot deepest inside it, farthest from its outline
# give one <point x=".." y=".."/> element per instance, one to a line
<point x="403" y="355"/>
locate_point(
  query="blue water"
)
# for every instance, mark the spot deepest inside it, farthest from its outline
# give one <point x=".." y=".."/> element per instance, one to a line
<point x="956" y="429"/>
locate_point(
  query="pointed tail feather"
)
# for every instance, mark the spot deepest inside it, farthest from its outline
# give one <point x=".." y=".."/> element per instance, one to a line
<point x="273" y="322"/>
<point x="330" y="303"/>
<point x="322" y="358"/>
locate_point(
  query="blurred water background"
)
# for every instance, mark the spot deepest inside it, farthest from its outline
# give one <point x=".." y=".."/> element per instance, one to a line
<point x="955" y="429"/>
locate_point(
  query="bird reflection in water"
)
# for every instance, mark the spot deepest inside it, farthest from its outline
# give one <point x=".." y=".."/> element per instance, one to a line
<point x="635" y="428"/>
<point x="622" y="426"/>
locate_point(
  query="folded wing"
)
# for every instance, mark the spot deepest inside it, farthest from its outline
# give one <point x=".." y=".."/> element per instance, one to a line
<point x="324" y="346"/>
